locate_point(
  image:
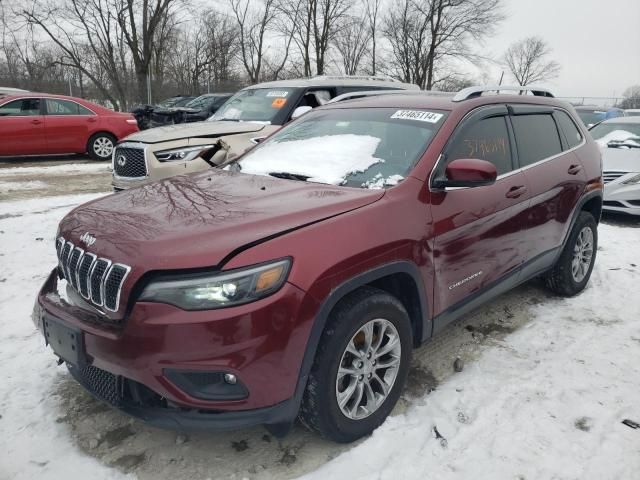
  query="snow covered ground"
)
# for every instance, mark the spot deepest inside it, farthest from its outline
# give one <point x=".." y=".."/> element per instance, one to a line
<point x="543" y="402"/>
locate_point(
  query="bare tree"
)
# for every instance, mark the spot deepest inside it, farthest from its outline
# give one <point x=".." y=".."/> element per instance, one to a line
<point x="254" y="25"/>
<point x="424" y="34"/>
<point x="87" y="35"/>
<point x="527" y="60"/>
<point x="141" y="24"/>
<point x="631" y="97"/>
<point x="372" y="10"/>
<point x="352" y="41"/>
<point x="313" y="25"/>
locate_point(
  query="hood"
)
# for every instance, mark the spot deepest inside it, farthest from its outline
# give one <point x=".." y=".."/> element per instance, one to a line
<point x="194" y="130"/>
<point x="621" y="159"/>
<point x="199" y="220"/>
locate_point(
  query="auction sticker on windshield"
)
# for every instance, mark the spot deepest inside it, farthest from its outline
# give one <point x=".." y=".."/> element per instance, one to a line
<point x="419" y="115"/>
<point x="276" y="93"/>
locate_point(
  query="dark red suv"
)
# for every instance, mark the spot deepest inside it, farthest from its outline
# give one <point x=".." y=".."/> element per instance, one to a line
<point x="297" y="282"/>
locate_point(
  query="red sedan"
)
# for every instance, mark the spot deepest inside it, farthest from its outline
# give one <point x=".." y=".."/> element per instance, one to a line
<point x="42" y="124"/>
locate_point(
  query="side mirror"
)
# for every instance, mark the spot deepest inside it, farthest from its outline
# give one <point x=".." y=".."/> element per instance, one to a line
<point x="298" y="112"/>
<point x="467" y="172"/>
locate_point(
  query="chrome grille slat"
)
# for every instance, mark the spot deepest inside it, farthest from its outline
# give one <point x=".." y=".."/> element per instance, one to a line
<point x="612" y="175"/>
<point x="74" y="260"/>
<point x="135" y="165"/>
<point x="64" y="258"/>
<point x="97" y="280"/>
<point x="83" y="274"/>
<point x="114" y="279"/>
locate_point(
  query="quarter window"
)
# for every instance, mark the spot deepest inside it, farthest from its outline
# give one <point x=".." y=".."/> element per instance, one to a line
<point x="537" y="137"/>
<point x="21" y="108"/>
<point x="65" y="107"/>
<point x="568" y="127"/>
<point x="487" y="139"/>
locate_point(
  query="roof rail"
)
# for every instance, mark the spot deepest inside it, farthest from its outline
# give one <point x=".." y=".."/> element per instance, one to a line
<point x="378" y="78"/>
<point x="374" y="93"/>
<point x="473" y="92"/>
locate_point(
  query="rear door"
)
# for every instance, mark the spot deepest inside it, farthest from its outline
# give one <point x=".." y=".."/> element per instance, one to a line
<point x="546" y="141"/>
<point x="478" y="230"/>
<point x="22" y="128"/>
<point x="67" y="125"/>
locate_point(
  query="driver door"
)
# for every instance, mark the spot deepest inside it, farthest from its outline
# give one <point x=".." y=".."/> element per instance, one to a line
<point x="478" y="231"/>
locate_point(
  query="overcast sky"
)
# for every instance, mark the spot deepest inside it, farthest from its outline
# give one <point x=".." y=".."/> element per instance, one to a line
<point x="597" y="42"/>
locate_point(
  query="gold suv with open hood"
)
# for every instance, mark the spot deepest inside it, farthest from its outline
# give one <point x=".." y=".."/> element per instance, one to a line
<point x="244" y="120"/>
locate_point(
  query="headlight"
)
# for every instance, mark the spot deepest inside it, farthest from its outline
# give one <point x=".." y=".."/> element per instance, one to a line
<point x="221" y="289"/>
<point x="182" y="154"/>
<point x="632" y="181"/>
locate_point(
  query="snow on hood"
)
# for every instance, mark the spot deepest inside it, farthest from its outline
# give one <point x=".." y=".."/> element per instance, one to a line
<point x="617" y="135"/>
<point x="328" y="159"/>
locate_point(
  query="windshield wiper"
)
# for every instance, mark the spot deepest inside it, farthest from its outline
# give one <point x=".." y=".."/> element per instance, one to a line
<point x="290" y="176"/>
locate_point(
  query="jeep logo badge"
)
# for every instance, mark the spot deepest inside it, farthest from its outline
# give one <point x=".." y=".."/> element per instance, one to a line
<point x="87" y="239"/>
<point x="122" y="160"/>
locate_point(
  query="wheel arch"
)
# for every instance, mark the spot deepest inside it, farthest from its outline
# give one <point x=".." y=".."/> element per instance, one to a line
<point x="401" y="279"/>
<point x="590" y="202"/>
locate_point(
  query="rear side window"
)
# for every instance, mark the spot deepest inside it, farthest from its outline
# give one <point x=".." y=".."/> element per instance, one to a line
<point x="487" y="139"/>
<point x="65" y="107"/>
<point x="537" y="138"/>
<point x="21" y="108"/>
<point x="568" y="127"/>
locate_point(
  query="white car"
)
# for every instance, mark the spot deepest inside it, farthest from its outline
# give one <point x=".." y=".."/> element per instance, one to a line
<point x="621" y="172"/>
<point x="616" y="130"/>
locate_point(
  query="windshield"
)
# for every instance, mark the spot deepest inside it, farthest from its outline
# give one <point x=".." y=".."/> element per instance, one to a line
<point x="201" y="101"/>
<point x="607" y="132"/>
<point x="365" y="147"/>
<point x="254" y="105"/>
<point x="169" y="102"/>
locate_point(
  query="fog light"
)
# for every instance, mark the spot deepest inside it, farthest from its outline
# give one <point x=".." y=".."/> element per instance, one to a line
<point x="230" y="378"/>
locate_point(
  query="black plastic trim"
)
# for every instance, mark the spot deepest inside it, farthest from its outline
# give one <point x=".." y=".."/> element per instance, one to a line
<point x="423" y="330"/>
<point x="282" y="413"/>
<point x="509" y="281"/>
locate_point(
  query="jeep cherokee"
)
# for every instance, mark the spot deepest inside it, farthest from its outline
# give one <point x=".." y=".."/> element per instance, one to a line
<point x="296" y="282"/>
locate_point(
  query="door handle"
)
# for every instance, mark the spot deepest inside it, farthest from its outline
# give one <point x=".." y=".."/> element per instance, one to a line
<point x="35" y="121"/>
<point x="91" y="120"/>
<point x="515" y="192"/>
<point x="574" y="169"/>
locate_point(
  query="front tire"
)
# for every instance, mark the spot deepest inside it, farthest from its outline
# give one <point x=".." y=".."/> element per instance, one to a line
<point x="101" y="145"/>
<point x="360" y="368"/>
<point x="572" y="271"/>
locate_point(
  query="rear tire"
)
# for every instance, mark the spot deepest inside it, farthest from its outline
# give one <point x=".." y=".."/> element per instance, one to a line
<point x="572" y="271"/>
<point x="100" y="146"/>
<point x="369" y="336"/>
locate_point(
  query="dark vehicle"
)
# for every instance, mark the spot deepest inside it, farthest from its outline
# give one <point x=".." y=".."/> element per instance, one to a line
<point x="297" y="283"/>
<point x="143" y="112"/>
<point x="197" y="110"/>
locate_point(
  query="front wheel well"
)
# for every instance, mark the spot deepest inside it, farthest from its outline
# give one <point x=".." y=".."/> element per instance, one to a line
<point x="403" y="287"/>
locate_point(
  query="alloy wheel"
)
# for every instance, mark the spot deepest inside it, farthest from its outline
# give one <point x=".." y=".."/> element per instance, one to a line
<point x="368" y="369"/>
<point x="582" y="254"/>
<point x="103" y="147"/>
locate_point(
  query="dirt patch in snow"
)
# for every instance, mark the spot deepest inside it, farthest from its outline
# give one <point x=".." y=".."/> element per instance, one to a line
<point x="24" y="179"/>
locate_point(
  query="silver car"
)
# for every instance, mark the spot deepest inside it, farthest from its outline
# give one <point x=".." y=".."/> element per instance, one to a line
<point x="621" y="171"/>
